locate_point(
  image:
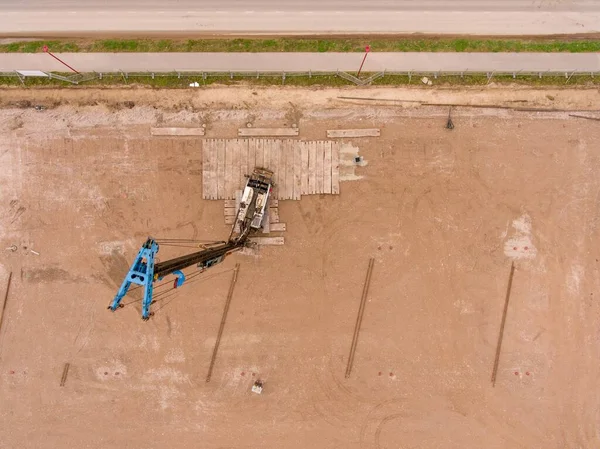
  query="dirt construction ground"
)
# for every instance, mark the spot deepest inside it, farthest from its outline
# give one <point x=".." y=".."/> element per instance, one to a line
<point x="444" y="213"/>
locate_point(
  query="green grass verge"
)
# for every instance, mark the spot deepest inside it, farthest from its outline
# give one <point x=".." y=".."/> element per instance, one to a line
<point x="172" y="82"/>
<point x="305" y="45"/>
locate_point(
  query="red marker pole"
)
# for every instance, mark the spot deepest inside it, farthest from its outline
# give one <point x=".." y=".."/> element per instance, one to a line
<point x="367" y="50"/>
<point x="45" y="48"/>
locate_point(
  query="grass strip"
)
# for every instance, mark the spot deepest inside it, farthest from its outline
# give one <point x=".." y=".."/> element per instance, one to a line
<point x="305" y="45"/>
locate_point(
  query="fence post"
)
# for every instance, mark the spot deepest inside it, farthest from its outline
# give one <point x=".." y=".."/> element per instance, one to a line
<point x="283" y="78"/>
<point x="310" y="74"/>
<point x="230" y="75"/>
<point x="178" y="75"/>
<point x="22" y="79"/>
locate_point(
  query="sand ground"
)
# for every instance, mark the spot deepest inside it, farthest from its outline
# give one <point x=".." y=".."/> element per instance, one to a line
<point x="444" y="214"/>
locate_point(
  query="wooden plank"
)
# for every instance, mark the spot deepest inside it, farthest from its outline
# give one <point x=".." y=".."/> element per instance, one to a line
<point x="267" y="240"/>
<point x="211" y="173"/>
<point x="335" y="168"/>
<point x="319" y="165"/>
<point x="274" y="215"/>
<point x="327" y="168"/>
<point x="281" y="174"/>
<point x="297" y="147"/>
<point x="205" y="150"/>
<point x="229" y="219"/>
<point x="259" y="160"/>
<point x="312" y="168"/>
<point x="289" y="169"/>
<point x="267" y="132"/>
<point x="273" y="202"/>
<point x="243" y="162"/>
<point x="266" y="223"/>
<point x="304" y="169"/>
<point x="342" y="133"/>
<point x="278" y="227"/>
<point x="220" y="144"/>
<point x="275" y="160"/>
<point x="271" y="162"/>
<point x="229" y="211"/>
<point x="229" y="149"/>
<point x="235" y="165"/>
<point x="251" y="156"/>
<point x="176" y="131"/>
<point x="238" y="200"/>
<point x="229" y="203"/>
<point x="284" y="156"/>
<point x="214" y="165"/>
<point x="267" y="151"/>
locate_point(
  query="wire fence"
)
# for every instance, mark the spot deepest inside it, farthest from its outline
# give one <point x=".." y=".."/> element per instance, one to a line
<point x="204" y="77"/>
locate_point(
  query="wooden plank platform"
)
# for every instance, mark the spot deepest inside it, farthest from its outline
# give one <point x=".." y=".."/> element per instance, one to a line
<point x="176" y="131"/>
<point x="267" y="132"/>
<point x="345" y="133"/>
<point x="299" y="168"/>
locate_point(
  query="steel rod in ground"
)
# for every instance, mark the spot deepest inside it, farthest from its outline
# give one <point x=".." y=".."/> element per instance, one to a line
<point x="502" y="323"/>
<point x="585" y="117"/>
<point x="361" y="312"/>
<point x="222" y="325"/>
<point x="65" y="373"/>
<point x="5" y="299"/>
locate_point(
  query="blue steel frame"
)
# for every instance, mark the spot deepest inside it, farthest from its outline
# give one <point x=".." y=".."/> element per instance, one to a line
<point x="140" y="273"/>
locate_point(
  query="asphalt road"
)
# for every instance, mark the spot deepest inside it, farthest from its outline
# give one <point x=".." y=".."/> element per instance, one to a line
<point x="487" y="17"/>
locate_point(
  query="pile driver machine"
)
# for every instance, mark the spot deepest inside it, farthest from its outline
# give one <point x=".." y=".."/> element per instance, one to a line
<point x="249" y="217"/>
